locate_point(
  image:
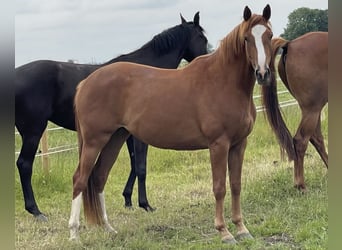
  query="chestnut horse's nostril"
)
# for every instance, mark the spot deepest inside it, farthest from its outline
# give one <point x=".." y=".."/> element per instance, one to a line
<point x="268" y="71"/>
<point x="258" y="74"/>
<point x="262" y="74"/>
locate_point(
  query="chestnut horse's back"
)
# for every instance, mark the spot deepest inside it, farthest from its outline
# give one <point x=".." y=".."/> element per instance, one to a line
<point x="304" y="66"/>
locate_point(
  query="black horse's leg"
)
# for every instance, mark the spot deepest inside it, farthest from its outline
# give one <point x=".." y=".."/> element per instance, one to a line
<point x="140" y="151"/>
<point x="127" y="193"/>
<point x="25" y="165"/>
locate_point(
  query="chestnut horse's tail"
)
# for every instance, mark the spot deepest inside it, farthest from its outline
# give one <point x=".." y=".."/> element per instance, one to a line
<point x="91" y="201"/>
<point x="273" y="113"/>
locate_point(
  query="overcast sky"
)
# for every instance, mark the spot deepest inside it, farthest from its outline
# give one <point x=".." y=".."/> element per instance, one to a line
<point x="95" y="31"/>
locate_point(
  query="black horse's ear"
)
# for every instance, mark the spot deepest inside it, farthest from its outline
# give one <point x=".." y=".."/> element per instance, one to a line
<point x="247" y="13"/>
<point x="182" y="18"/>
<point x="196" y="19"/>
<point x="267" y="12"/>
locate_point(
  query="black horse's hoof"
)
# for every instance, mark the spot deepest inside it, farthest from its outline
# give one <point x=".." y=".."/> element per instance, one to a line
<point x="41" y="217"/>
<point x="148" y="208"/>
<point x="129" y="207"/>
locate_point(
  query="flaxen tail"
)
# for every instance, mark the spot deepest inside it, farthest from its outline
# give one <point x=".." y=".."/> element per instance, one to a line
<point x="91" y="202"/>
<point x="272" y="110"/>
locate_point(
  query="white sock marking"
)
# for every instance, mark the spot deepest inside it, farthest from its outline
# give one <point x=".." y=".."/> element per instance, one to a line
<point x="105" y="217"/>
<point x="74" y="221"/>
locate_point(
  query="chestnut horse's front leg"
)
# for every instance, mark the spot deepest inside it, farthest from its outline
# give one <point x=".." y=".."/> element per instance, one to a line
<point x="235" y="160"/>
<point x="218" y="157"/>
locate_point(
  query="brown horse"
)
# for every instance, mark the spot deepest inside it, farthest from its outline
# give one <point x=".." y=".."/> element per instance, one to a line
<point x="303" y="68"/>
<point x="207" y="104"/>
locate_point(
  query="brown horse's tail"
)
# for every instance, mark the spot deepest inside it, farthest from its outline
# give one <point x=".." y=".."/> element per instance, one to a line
<point x="272" y="110"/>
<point x="91" y="201"/>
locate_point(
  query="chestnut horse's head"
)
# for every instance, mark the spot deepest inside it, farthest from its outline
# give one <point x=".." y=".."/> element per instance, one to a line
<point x="257" y="35"/>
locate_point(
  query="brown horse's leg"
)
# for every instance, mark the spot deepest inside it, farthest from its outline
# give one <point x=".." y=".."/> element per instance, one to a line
<point x="86" y="165"/>
<point x="218" y="158"/>
<point x="80" y="179"/>
<point x="304" y="132"/>
<point x="235" y="160"/>
<point x="107" y="157"/>
<point x="318" y="141"/>
<point x="103" y="166"/>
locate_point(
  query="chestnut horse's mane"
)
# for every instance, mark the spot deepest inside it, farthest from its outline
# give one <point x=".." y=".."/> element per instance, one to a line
<point x="233" y="43"/>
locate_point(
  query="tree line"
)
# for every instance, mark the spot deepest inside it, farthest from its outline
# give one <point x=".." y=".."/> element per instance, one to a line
<point x="304" y="20"/>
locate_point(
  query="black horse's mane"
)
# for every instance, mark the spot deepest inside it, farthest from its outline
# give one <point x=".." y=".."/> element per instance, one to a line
<point x="170" y="38"/>
<point x="164" y="41"/>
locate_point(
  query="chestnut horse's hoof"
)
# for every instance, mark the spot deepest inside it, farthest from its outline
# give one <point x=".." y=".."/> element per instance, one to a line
<point x="301" y="188"/>
<point x="230" y="241"/>
<point x="243" y="236"/>
<point x="75" y="239"/>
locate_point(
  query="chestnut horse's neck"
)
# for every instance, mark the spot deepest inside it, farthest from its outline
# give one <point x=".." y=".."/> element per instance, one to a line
<point x="230" y="60"/>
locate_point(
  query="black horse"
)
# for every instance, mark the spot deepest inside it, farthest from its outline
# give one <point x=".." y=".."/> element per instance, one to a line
<point x="44" y="91"/>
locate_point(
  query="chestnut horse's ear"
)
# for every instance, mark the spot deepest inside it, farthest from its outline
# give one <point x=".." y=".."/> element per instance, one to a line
<point x="196" y="19"/>
<point x="247" y="13"/>
<point x="267" y="12"/>
<point x="182" y="18"/>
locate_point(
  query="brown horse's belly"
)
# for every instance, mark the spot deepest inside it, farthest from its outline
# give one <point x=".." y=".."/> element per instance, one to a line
<point x="179" y="145"/>
<point x="169" y="136"/>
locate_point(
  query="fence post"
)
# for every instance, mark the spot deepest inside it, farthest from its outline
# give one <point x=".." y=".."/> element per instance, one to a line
<point x="45" y="157"/>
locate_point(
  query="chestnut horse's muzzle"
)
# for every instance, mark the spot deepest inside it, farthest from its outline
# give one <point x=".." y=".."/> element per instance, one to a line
<point x="263" y="76"/>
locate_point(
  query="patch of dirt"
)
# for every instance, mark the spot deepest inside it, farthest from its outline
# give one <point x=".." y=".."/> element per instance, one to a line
<point x="158" y="228"/>
<point x="281" y="239"/>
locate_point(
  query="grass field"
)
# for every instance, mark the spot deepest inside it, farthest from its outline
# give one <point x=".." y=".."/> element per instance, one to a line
<point x="179" y="185"/>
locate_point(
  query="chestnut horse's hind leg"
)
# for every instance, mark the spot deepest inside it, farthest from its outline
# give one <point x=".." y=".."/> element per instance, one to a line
<point x="103" y="166"/>
<point x="74" y="221"/>
<point x="80" y="179"/>
<point x="317" y="141"/>
<point x="301" y="139"/>
<point x="107" y="226"/>
<point x="99" y="172"/>
<point x="218" y="158"/>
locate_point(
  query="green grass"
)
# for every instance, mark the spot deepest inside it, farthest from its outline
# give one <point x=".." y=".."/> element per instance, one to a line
<point x="179" y="185"/>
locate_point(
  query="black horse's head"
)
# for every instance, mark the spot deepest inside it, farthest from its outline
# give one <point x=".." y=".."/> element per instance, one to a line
<point x="198" y="43"/>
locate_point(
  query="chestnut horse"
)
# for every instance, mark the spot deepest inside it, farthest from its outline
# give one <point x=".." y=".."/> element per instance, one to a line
<point x="208" y="104"/>
<point x="303" y="68"/>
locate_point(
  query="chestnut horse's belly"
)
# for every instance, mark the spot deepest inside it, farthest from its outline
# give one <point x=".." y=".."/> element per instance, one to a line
<point x="172" y="133"/>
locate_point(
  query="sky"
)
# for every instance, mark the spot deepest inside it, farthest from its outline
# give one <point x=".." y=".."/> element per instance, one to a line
<point x="91" y="31"/>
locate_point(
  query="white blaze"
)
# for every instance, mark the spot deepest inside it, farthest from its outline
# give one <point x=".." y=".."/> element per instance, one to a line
<point x="257" y="32"/>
